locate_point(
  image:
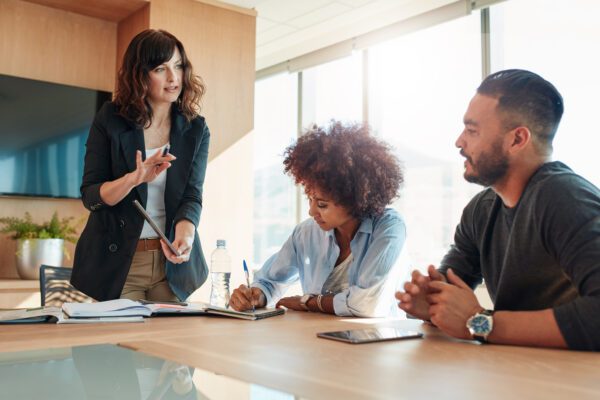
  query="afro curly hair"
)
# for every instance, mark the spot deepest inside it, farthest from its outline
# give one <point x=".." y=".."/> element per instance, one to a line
<point x="358" y="171"/>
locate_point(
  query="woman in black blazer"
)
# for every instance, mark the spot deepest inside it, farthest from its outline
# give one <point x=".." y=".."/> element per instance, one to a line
<point x="156" y="105"/>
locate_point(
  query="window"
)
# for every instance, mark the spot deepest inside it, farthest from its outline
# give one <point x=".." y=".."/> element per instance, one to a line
<point x="558" y="40"/>
<point x="420" y="86"/>
<point x="274" y="193"/>
<point x="333" y="91"/>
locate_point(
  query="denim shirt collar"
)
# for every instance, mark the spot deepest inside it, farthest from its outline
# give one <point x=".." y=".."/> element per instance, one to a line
<point x="366" y="226"/>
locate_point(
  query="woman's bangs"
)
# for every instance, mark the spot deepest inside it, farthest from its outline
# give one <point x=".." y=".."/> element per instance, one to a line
<point x="159" y="52"/>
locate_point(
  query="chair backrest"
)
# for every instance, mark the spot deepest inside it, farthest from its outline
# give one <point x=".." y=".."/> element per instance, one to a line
<point x="55" y="288"/>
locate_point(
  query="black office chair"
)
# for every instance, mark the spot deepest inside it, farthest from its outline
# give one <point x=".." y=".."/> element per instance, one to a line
<point x="55" y="288"/>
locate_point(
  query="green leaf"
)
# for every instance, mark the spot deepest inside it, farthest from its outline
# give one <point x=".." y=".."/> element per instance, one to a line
<point x="25" y="228"/>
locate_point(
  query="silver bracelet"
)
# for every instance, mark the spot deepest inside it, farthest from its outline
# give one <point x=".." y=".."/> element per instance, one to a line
<point x="319" y="298"/>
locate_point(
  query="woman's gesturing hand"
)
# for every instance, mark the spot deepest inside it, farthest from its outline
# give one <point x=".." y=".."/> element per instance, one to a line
<point x="148" y="170"/>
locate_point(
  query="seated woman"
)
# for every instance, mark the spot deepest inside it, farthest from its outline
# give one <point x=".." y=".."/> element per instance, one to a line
<point x="346" y="256"/>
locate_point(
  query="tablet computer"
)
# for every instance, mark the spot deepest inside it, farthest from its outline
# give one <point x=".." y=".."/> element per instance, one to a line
<point x="158" y="231"/>
<point x="370" y="335"/>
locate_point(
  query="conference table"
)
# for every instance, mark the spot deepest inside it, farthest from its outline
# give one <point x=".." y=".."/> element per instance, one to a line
<point x="283" y="353"/>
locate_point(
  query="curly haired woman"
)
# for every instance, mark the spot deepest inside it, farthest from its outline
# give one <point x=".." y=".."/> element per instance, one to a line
<point x="127" y="158"/>
<point x="347" y="255"/>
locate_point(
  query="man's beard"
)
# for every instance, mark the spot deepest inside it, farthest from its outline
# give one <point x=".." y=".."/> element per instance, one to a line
<point x="491" y="167"/>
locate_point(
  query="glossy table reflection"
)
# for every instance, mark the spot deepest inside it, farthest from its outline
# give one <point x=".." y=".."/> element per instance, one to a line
<point x="112" y="372"/>
<point x="284" y="353"/>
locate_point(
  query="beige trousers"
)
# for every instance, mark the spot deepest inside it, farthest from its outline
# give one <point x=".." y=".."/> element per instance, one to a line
<point x="147" y="279"/>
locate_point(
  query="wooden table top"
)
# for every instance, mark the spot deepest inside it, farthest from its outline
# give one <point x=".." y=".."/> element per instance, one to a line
<point x="284" y="353"/>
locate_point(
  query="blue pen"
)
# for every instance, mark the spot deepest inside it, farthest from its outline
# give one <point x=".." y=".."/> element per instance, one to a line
<point x="247" y="279"/>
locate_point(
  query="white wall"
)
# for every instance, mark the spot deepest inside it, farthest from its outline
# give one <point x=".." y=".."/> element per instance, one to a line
<point x="228" y="209"/>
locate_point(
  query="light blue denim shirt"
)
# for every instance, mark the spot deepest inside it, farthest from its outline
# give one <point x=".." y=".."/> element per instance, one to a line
<point x="310" y="255"/>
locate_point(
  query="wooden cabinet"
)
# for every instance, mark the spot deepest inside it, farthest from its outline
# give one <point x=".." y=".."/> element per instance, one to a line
<point x="19" y="293"/>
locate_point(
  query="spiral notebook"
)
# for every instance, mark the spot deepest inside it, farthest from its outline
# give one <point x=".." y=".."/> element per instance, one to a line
<point x="126" y="307"/>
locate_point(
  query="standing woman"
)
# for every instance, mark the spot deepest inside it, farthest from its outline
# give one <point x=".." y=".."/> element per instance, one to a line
<point x="128" y="158"/>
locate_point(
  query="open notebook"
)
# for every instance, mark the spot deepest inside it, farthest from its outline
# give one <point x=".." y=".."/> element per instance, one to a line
<point x="125" y="307"/>
<point x="55" y="315"/>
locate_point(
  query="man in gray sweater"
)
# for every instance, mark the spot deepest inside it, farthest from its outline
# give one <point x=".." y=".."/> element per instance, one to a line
<point x="533" y="235"/>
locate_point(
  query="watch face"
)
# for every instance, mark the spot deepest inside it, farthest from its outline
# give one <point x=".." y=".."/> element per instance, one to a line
<point x="480" y="325"/>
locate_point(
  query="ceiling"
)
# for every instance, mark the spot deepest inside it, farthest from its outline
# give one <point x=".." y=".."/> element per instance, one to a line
<point x="289" y="28"/>
<point x="285" y="29"/>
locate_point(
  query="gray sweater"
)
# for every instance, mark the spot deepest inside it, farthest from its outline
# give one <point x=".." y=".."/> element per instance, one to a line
<point x="543" y="253"/>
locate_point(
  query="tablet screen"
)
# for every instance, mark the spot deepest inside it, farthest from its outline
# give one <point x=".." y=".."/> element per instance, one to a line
<point x="371" y="335"/>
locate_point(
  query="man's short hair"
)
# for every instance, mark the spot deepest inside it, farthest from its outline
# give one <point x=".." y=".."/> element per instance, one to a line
<point x="526" y="99"/>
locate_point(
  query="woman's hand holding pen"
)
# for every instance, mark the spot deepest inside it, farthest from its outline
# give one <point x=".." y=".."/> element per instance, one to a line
<point x="149" y="169"/>
<point x="184" y="239"/>
<point x="244" y="298"/>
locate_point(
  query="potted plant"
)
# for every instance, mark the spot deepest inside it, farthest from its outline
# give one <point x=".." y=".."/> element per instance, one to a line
<point x="39" y="244"/>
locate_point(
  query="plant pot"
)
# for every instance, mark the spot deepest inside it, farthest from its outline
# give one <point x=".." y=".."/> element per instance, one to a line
<point x="31" y="253"/>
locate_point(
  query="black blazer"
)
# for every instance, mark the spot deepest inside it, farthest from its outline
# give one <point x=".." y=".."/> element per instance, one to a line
<point x="108" y="242"/>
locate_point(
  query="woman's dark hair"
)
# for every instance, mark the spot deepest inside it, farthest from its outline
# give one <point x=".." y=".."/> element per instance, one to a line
<point x="358" y="171"/>
<point x="147" y="50"/>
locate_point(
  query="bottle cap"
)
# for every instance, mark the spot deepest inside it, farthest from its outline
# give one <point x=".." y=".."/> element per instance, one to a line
<point x="221" y="243"/>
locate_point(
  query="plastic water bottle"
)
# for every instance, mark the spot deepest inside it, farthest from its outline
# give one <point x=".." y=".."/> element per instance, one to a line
<point x="220" y="272"/>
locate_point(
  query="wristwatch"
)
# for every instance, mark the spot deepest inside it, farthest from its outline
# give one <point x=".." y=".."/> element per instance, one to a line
<point x="304" y="299"/>
<point x="481" y="324"/>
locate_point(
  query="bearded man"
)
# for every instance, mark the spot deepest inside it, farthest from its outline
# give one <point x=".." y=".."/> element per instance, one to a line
<point x="533" y="235"/>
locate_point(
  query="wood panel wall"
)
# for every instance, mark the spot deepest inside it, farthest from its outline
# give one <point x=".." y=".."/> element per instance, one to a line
<point x="43" y="43"/>
<point x="221" y="46"/>
<point x="39" y="42"/>
<point x="127" y="29"/>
